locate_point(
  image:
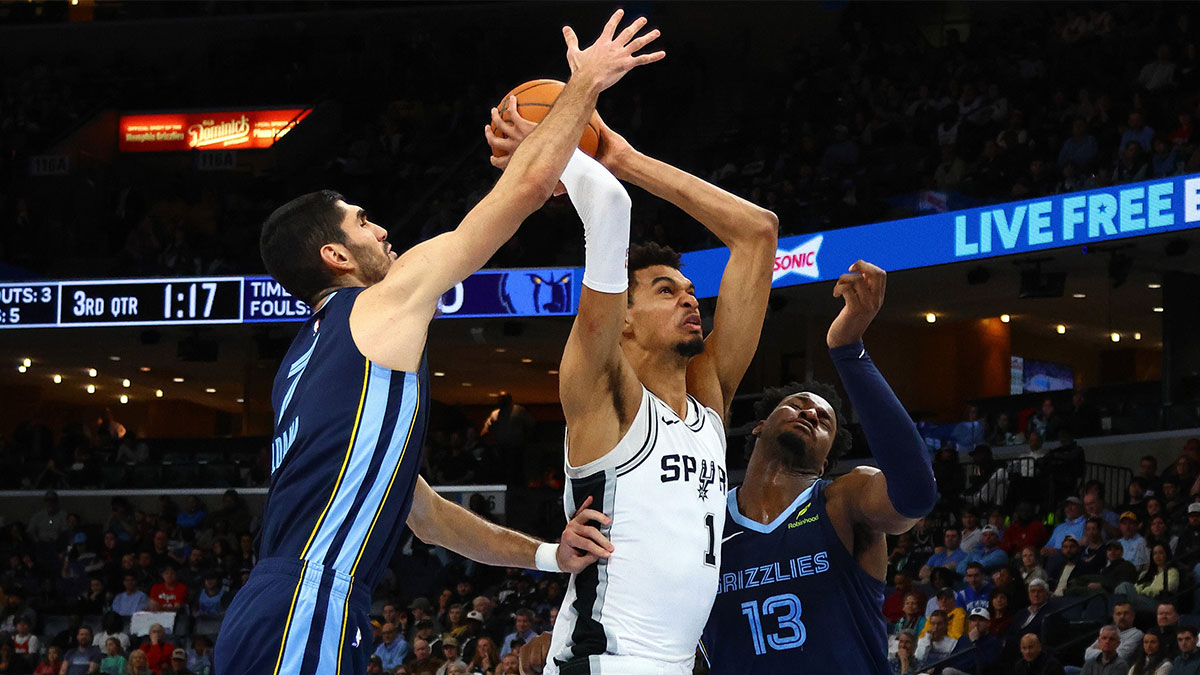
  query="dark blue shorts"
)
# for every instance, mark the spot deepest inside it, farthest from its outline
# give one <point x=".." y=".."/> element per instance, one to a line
<point x="296" y="618"/>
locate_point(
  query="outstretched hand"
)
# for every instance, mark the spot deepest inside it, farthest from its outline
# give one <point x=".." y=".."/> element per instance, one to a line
<point x="511" y="132"/>
<point x="862" y="288"/>
<point x="612" y="54"/>
<point x="582" y="543"/>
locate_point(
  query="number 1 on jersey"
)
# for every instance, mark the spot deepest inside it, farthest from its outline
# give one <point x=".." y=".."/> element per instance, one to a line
<point x="791" y="632"/>
<point x="710" y="556"/>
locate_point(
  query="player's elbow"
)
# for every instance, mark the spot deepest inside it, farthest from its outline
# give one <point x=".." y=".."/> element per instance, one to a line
<point x="766" y="225"/>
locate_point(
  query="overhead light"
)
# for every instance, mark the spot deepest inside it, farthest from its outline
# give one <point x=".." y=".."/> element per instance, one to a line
<point x="177" y="379"/>
<point x="552" y="372"/>
<point x="1079" y="296"/>
<point x="21" y="369"/>
<point x="92" y="372"/>
<point x="114" y="358"/>
<point x="1061" y="329"/>
<point x="1153" y="285"/>
<point x="241" y="400"/>
<point x="158" y="393"/>
<point x="125" y="383"/>
<point x="210" y="390"/>
<point x="1137" y="336"/>
<point x="493" y="394"/>
<point x="57" y="378"/>
<point x="501" y="350"/>
<point x="1158" y="309"/>
<point x="439" y="373"/>
<point x="467" y="384"/>
<point x="1004" y="318"/>
<point x="144" y="369"/>
<point x="931" y="317"/>
<point x="526" y="360"/>
<point x="91" y="389"/>
<point x="124" y="398"/>
<point x="27" y="362"/>
<point x="1116" y="337"/>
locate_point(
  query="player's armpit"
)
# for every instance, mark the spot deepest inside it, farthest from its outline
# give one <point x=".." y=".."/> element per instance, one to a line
<point x="862" y="495"/>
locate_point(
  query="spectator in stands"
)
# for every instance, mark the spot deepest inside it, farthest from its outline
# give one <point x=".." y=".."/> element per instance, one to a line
<point x="524" y="632"/>
<point x="193" y="514"/>
<point x="48" y="524"/>
<point x="132" y="600"/>
<point x="941" y="579"/>
<point x="1024" y="530"/>
<point x="233" y="512"/>
<point x="1103" y="658"/>
<point x="1094" y="507"/>
<point x="52" y="664"/>
<point x="971" y="534"/>
<point x="393" y="650"/>
<point x="947" y="556"/>
<point x="893" y="605"/>
<point x="1034" y="661"/>
<point x="1183" y="472"/>
<point x="1001" y="612"/>
<point x="989" y="479"/>
<point x="983" y="646"/>
<point x="1160" y="533"/>
<point x="1115" y="571"/>
<point x="138" y="664"/>
<point x="1166" y="625"/>
<point x="956" y="617"/>
<point x="978" y="588"/>
<point x="1031" y="566"/>
<point x="451" y="655"/>
<point x="1173" y="501"/>
<point x="95" y="600"/>
<point x="112" y="626"/>
<point x="1189" y="535"/>
<point x="1158" y="579"/>
<point x="972" y="431"/>
<point x="199" y="657"/>
<point x="1137" y="132"/>
<point x="1072" y="524"/>
<point x="900" y="561"/>
<point x="510" y="429"/>
<point x="170" y="595"/>
<point x="1003" y="434"/>
<point x="1152" y="660"/>
<point x="25" y="644"/>
<point x="422" y="610"/>
<point x="15" y="608"/>
<point x="77" y="566"/>
<point x="83" y="658"/>
<point x="178" y="664"/>
<point x="1033" y="619"/>
<point x="213" y="599"/>
<point x="1046" y="421"/>
<point x="1094" y="544"/>
<point x="1064" y="463"/>
<point x="114" y="660"/>
<point x="1148" y="472"/>
<point x="936" y="644"/>
<point x="487" y="655"/>
<point x="913" y="618"/>
<point x="988" y="555"/>
<point x="905" y="661"/>
<point x="1129" y="638"/>
<point x="1187" y="661"/>
<point x="1080" y="149"/>
<point x="1132" y="543"/>
<point x="157" y="650"/>
<point x="422" y="661"/>
<point x="948" y="472"/>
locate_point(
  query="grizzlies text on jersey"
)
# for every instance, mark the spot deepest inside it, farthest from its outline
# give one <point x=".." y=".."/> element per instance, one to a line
<point x="792" y="599"/>
<point x="344" y="463"/>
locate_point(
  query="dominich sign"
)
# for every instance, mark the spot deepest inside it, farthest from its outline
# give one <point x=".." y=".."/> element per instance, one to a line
<point x="227" y="130"/>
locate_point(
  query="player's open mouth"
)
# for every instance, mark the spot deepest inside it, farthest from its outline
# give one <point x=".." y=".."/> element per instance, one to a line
<point x="693" y="320"/>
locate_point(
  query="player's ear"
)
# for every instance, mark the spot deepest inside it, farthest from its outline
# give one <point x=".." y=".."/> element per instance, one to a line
<point x="337" y="256"/>
<point x="757" y="430"/>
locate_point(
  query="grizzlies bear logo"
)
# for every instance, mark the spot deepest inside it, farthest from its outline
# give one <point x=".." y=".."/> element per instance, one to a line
<point x="525" y="292"/>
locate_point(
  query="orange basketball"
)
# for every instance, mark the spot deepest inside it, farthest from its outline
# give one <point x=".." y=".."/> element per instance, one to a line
<point x="534" y="99"/>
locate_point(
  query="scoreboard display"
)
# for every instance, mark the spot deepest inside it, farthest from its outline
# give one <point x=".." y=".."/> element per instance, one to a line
<point x="259" y="299"/>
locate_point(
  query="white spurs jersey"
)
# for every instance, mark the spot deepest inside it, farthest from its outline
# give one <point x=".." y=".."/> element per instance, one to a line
<point x="664" y="487"/>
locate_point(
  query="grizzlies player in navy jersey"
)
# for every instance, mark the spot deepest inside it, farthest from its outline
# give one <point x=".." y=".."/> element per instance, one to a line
<point x="804" y="558"/>
<point x="352" y="397"/>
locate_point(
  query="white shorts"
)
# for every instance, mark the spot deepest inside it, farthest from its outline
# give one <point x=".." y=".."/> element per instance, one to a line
<point x="613" y="664"/>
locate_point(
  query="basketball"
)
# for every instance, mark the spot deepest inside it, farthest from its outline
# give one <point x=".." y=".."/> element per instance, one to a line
<point x="534" y="99"/>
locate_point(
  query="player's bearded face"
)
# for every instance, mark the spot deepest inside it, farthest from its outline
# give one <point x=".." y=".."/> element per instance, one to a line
<point x="372" y="258"/>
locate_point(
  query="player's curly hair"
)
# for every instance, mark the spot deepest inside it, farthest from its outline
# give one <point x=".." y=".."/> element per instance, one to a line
<point x="773" y="396"/>
<point x="649" y="254"/>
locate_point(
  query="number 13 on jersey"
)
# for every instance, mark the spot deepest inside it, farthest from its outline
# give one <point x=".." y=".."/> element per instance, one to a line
<point x="791" y="633"/>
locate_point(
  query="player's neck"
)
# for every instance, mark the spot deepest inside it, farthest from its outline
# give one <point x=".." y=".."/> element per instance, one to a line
<point x="664" y="374"/>
<point x="770" y="487"/>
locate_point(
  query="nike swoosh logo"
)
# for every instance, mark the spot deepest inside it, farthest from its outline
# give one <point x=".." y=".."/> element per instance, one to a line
<point x="731" y="536"/>
<point x="670" y="421"/>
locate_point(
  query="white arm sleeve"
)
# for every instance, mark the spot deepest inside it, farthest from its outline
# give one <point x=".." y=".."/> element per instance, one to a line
<point x="603" y="206"/>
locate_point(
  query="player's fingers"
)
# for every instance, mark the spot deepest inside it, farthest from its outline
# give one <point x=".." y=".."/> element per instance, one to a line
<point x="631" y="30"/>
<point x="592" y="534"/>
<point x="610" y="28"/>
<point x="503" y="125"/>
<point x="589" y="547"/>
<point x="586" y="503"/>
<point x="586" y="515"/>
<point x="499" y="162"/>
<point x="642" y="41"/>
<point x="570" y="38"/>
<point x="649" y="58"/>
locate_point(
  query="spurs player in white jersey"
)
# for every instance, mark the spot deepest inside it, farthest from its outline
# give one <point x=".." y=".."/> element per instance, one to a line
<point x="645" y="395"/>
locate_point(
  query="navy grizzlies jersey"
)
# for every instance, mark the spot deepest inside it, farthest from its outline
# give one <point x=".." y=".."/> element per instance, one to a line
<point x="792" y="599"/>
<point x="346" y="452"/>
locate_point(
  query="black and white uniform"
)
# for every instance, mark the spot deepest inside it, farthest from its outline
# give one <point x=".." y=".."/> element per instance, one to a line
<point x="643" y="609"/>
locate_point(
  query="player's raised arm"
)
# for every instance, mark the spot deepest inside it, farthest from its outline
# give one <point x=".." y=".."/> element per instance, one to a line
<point x="440" y="522"/>
<point x="428" y="270"/>
<point x="750" y="232"/>
<point x="902" y="490"/>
